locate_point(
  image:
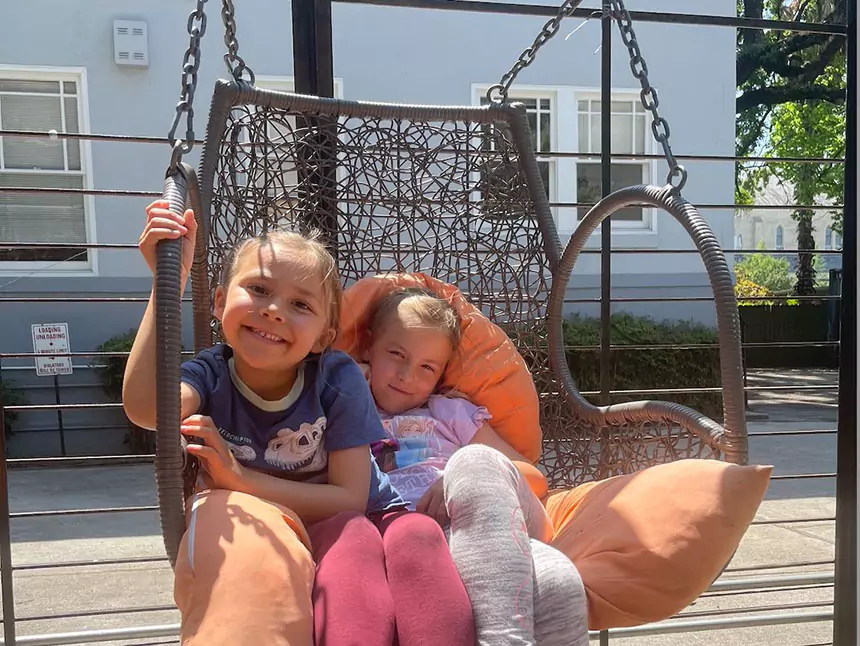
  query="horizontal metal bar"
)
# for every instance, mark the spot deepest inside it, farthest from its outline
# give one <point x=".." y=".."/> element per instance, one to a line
<point x="649" y="299"/>
<point x="33" y="407"/>
<point x="589" y="14"/>
<point x="722" y="612"/>
<point x="52" y="134"/>
<point x="714" y="389"/>
<point x="96" y="613"/>
<point x="764" y="582"/>
<point x="778" y="252"/>
<point x="789" y="433"/>
<point x="650" y="391"/>
<point x="31" y="355"/>
<point x="751" y="621"/>
<point x="644" y="252"/>
<point x="82" y="512"/>
<point x="803" y="476"/>
<point x="702" y="346"/>
<point x="796" y="521"/>
<point x="42" y="134"/>
<point x="690" y="157"/>
<point x="104" y="192"/>
<point x="78" y="299"/>
<point x="66" y="245"/>
<point x="72" y="428"/>
<point x="779" y="566"/>
<point x="108" y="192"/>
<point x="744" y="593"/>
<point x="656" y="346"/>
<point x="668" y="627"/>
<point x="96" y="636"/>
<point x="82" y="461"/>
<point x="693" y="299"/>
<point x="131" y="560"/>
<point x="701" y="207"/>
<point x="105" y="355"/>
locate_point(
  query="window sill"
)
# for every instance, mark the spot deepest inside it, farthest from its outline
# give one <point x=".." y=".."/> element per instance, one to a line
<point x="621" y="239"/>
<point x="27" y="270"/>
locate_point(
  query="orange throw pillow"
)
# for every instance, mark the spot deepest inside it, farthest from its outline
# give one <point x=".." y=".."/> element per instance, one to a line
<point x="487" y="368"/>
<point x="649" y="543"/>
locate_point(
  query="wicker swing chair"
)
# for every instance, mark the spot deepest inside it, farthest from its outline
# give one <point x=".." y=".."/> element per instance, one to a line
<point x="453" y="192"/>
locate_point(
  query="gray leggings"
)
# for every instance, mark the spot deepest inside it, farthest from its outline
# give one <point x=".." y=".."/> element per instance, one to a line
<point x="522" y="590"/>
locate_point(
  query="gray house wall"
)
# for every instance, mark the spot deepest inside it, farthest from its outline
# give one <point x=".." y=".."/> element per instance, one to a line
<point x="380" y="53"/>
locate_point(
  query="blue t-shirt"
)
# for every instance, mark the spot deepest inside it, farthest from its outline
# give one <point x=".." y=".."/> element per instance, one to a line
<point x="329" y="408"/>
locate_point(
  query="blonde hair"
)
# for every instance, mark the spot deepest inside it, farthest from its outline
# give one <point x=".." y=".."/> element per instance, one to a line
<point x="309" y="246"/>
<point x="426" y="307"/>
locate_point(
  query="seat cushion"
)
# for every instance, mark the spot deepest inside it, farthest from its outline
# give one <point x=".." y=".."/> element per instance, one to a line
<point x="487" y="368"/>
<point x="649" y="543"/>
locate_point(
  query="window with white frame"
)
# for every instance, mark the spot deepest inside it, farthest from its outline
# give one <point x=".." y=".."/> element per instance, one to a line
<point x="739" y="241"/>
<point x="43" y="101"/>
<point x="539" y="111"/>
<point x="780" y="234"/>
<point x="568" y="119"/>
<point x="828" y="238"/>
<point x="628" y="127"/>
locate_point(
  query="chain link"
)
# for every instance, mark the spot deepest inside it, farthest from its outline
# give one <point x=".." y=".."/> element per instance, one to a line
<point x="499" y="93"/>
<point x="659" y="126"/>
<point x="190" y="67"/>
<point x="235" y="63"/>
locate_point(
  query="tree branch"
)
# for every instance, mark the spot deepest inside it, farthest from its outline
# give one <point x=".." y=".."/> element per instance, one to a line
<point x="787" y="94"/>
<point x="775" y="56"/>
<point x="825" y="57"/>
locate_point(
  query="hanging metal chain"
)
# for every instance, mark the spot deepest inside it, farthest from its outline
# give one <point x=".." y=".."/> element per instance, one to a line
<point x="235" y="63"/>
<point x="190" y="67"/>
<point x="499" y="93"/>
<point x="659" y="126"/>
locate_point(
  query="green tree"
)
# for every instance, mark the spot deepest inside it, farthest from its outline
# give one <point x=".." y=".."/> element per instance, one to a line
<point x="791" y="104"/>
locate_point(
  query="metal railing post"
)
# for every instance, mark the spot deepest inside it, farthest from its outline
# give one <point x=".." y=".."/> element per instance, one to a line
<point x="6" y="584"/>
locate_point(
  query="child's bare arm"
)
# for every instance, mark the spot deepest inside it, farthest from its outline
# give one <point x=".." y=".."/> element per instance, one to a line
<point x="138" y="391"/>
<point x="348" y="484"/>
<point x="348" y="476"/>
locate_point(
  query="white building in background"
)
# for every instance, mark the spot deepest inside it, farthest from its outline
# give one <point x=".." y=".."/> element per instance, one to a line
<point x="776" y="229"/>
<point x="82" y="80"/>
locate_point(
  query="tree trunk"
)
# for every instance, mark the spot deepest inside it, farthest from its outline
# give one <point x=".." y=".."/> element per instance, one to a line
<point x="804" y="194"/>
<point x="805" y="285"/>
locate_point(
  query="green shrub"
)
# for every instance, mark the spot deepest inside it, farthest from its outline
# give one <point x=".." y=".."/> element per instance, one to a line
<point x="648" y="369"/>
<point x="771" y="273"/>
<point x="111" y="371"/>
<point x="10" y="396"/>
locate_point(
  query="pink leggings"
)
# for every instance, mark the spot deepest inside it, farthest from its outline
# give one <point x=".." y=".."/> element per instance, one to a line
<point x="385" y="580"/>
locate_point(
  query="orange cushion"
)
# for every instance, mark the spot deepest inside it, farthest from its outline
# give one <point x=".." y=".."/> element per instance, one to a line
<point x="649" y="543"/>
<point x="487" y="368"/>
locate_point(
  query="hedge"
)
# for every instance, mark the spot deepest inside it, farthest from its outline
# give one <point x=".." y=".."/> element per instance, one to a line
<point x="648" y="369"/>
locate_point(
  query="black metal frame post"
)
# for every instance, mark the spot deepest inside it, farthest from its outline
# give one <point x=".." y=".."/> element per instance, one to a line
<point x="605" y="188"/>
<point x="312" y="47"/>
<point x="606" y="27"/>
<point x="60" y="416"/>
<point x="845" y="591"/>
<point x="314" y="74"/>
<point x="6" y="585"/>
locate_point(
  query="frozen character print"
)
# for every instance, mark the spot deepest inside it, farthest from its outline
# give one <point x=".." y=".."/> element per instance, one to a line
<point x="299" y="450"/>
<point x="416" y="437"/>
